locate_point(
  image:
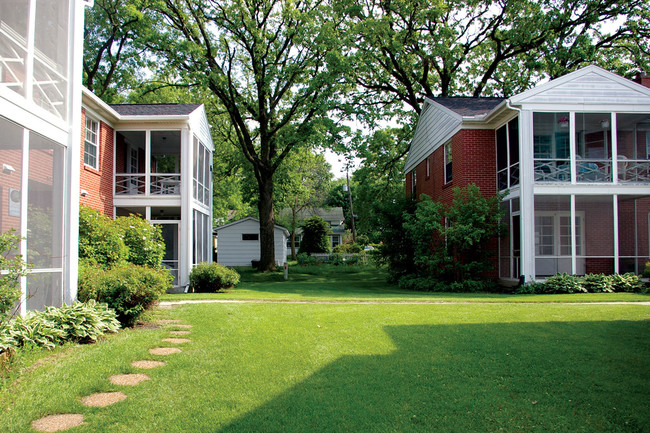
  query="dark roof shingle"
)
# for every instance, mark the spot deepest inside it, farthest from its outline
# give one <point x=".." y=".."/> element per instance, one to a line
<point x="154" y="109"/>
<point x="466" y="106"/>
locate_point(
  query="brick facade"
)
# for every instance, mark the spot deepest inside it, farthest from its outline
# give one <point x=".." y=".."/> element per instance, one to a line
<point x="98" y="183"/>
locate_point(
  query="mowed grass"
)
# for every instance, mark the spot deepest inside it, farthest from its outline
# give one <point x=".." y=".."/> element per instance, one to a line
<point x="367" y="283"/>
<point x="361" y="368"/>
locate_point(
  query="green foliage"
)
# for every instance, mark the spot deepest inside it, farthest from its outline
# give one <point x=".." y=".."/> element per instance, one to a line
<point x="126" y="288"/>
<point x="590" y="283"/>
<point x="79" y="322"/>
<point x="451" y="242"/>
<point x="100" y="241"/>
<point x="212" y="278"/>
<point x="597" y="283"/>
<point x="431" y="284"/>
<point x="629" y="282"/>
<point x="646" y="270"/>
<point x="143" y="240"/>
<point x="314" y="236"/>
<point x="13" y="267"/>
<point x="351" y="248"/>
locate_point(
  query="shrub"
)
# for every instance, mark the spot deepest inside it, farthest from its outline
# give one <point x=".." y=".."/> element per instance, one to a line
<point x="629" y="282"/>
<point x="128" y="289"/>
<point x="79" y="322"/>
<point x="100" y="242"/>
<point x="563" y="283"/>
<point x="646" y="270"/>
<point x="597" y="283"/>
<point x="143" y="240"/>
<point x="212" y="278"/>
<point x="351" y="248"/>
<point x="13" y="267"/>
<point x="314" y="236"/>
<point x="305" y="259"/>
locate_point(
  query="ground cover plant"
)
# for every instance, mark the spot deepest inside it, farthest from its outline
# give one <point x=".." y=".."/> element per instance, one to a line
<point x="212" y="277"/>
<point x="362" y="368"/>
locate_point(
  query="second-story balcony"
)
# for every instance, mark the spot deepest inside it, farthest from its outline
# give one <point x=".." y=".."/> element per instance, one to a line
<point x="158" y="184"/>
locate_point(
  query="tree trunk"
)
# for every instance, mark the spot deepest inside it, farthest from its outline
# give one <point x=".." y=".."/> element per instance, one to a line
<point x="267" y="223"/>
<point x="293" y="245"/>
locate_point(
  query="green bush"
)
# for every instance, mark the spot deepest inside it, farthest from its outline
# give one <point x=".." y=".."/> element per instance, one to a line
<point x="13" y="267"/>
<point x="563" y="283"/>
<point x="212" y="278"/>
<point x="314" y="236"/>
<point x="143" y="240"/>
<point x="100" y="241"/>
<point x="127" y="288"/>
<point x="305" y="259"/>
<point x="597" y="283"/>
<point x="629" y="282"/>
<point x="79" y="322"/>
<point x="646" y="270"/>
<point x="351" y="248"/>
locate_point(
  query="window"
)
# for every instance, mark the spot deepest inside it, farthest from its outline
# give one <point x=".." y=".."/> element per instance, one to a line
<point x="336" y="240"/>
<point x="91" y="144"/>
<point x="413" y="184"/>
<point x="250" y="237"/>
<point x="551" y="147"/>
<point x="202" y="172"/>
<point x="507" y="139"/>
<point x="448" y="172"/>
<point x="553" y="234"/>
<point x="428" y="168"/>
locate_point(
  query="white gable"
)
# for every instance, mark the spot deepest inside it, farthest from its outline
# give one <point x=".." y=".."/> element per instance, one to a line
<point x="591" y="86"/>
<point x="436" y="125"/>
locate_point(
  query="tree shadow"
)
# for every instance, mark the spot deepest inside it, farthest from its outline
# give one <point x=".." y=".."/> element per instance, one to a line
<point x="513" y="377"/>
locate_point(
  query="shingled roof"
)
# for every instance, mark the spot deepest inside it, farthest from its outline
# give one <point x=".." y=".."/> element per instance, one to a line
<point x="154" y="109"/>
<point x="466" y="106"/>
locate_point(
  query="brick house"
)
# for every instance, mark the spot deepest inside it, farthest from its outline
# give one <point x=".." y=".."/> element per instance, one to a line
<point x="573" y="157"/>
<point x="153" y="160"/>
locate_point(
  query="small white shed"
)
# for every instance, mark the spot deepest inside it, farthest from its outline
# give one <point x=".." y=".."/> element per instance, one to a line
<point x="238" y="243"/>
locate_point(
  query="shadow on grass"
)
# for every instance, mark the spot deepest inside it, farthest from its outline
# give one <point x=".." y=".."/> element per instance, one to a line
<point x="523" y="377"/>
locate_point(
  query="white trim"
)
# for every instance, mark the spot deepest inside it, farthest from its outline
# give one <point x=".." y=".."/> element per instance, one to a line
<point x="96" y="132"/>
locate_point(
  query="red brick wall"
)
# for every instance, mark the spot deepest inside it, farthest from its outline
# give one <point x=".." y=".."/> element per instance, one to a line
<point x="473" y="161"/>
<point x="98" y="183"/>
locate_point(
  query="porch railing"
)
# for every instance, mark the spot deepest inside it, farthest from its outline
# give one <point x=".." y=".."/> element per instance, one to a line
<point x="136" y="184"/>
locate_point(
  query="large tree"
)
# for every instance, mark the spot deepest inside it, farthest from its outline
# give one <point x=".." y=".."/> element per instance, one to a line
<point x="271" y="64"/>
<point x="114" y="47"/>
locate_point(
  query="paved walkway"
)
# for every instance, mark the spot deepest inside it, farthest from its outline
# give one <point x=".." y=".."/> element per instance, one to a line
<point x="361" y="302"/>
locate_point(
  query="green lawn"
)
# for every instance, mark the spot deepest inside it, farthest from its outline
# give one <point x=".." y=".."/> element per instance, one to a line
<point x="361" y="368"/>
<point x="331" y="283"/>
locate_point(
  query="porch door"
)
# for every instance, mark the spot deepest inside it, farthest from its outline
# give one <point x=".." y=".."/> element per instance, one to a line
<point x="170" y="234"/>
<point x="132" y="167"/>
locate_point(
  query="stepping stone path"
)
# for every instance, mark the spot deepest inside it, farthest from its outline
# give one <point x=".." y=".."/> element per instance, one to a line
<point x="60" y="422"/>
<point x="165" y="350"/>
<point x="128" y="379"/>
<point x="103" y="399"/>
<point x="176" y="340"/>
<point x="147" y="364"/>
<point x="54" y="423"/>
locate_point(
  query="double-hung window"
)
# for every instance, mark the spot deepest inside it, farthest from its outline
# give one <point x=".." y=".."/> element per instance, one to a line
<point x="91" y="144"/>
<point x="448" y="172"/>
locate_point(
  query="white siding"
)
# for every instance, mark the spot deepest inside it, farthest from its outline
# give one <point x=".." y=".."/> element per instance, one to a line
<point x="588" y="86"/>
<point x="435" y="126"/>
<point x="233" y="251"/>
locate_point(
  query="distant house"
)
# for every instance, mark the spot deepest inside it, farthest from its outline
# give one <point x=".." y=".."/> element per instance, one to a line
<point x="573" y="157"/>
<point x="333" y="216"/>
<point x="238" y="243"/>
<point x="154" y="160"/>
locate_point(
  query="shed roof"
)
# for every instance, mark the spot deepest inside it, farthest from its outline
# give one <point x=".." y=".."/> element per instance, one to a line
<point x="217" y="229"/>
<point x="155" y="109"/>
<point x="466" y="106"/>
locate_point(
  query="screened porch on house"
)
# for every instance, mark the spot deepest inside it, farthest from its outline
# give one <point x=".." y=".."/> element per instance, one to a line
<point x="591" y="147"/>
<point x="148" y="163"/>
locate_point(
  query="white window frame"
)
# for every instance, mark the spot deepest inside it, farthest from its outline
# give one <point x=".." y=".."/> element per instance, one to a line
<point x="557" y="215"/>
<point x="89" y="132"/>
<point x="447" y="149"/>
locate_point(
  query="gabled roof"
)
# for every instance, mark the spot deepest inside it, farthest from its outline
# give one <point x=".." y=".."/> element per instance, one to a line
<point x="591" y="85"/>
<point x="469" y="107"/>
<point x="328" y="214"/>
<point x="154" y="109"/>
<point x="216" y="230"/>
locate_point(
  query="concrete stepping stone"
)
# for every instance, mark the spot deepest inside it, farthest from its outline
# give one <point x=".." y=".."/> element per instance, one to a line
<point x="167" y="321"/>
<point x="128" y="379"/>
<point x="147" y="364"/>
<point x="182" y="326"/>
<point x="176" y="340"/>
<point x="179" y="332"/>
<point x="59" y="422"/>
<point x="165" y="350"/>
<point x="103" y="399"/>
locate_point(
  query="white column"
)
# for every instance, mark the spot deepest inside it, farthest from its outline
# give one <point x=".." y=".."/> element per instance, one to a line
<point x="572" y="223"/>
<point x="614" y="148"/>
<point x="24" y="182"/>
<point x="615" y="210"/>
<point x="527" y="199"/>
<point x="186" y="228"/>
<point x="572" y="145"/>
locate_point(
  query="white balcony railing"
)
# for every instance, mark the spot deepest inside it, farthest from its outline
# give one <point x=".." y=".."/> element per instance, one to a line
<point x="158" y="184"/>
